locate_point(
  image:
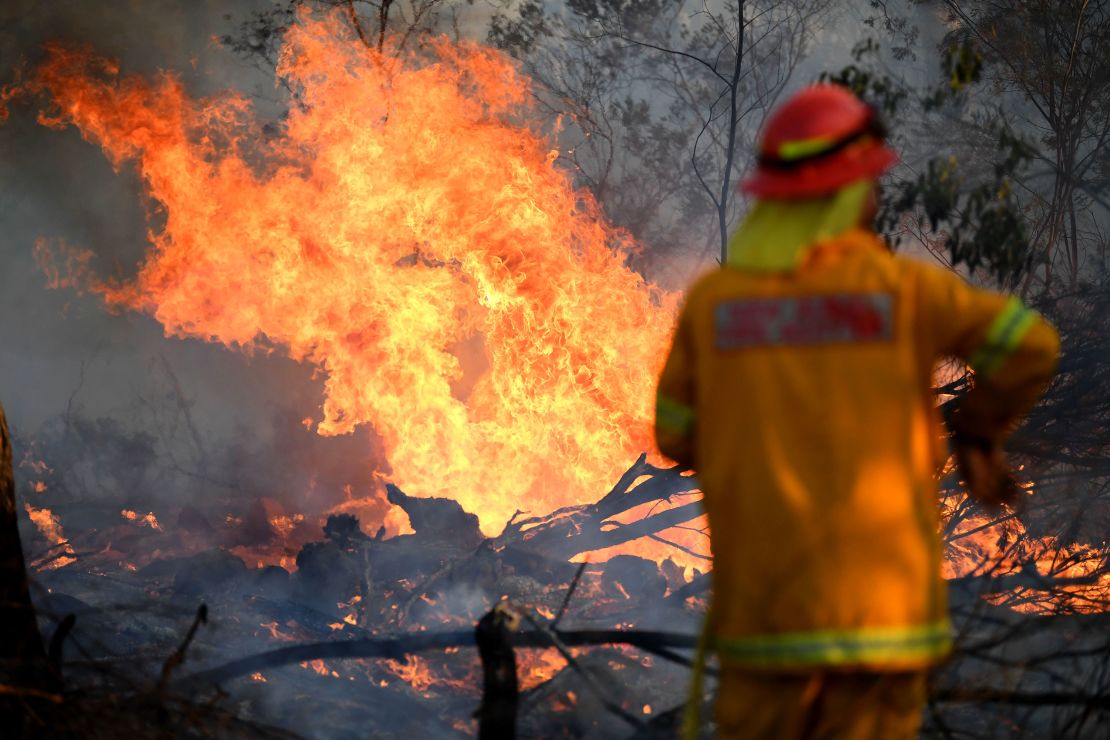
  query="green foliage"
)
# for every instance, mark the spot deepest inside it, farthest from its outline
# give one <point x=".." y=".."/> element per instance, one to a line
<point x="962" y="64"/>
<point x="981" y="222"/>
<point x="984" y="226"/>
<point x="880" y="91"/>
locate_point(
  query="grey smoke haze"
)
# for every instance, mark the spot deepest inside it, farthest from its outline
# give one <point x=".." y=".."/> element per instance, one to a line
<point x="62" y="353"/>
<point x="56" y="186"/>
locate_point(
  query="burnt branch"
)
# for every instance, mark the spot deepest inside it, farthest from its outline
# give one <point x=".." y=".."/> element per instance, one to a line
<point x="570" y="594"/>
<point x="587" y="677"/>
<point x="577" y="529"/>
<point x="178" y="656"/>
<point x="57" y="641"/>
<point x="397" y="648"/>
<point x="357" y="25"/>
<point x="1022" y="698"/>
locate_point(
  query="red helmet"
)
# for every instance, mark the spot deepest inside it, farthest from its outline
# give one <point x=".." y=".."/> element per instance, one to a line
<point x="818" y="141"/>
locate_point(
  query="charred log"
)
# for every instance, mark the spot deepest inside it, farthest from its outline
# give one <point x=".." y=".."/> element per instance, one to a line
<point x="698" y="586"/>
<point x="344" y="531"/>
<point x="630" y="574"/>
<point x="207" y="570"/>
<point x="439" y="518"/>
<point x="327" y="573"/>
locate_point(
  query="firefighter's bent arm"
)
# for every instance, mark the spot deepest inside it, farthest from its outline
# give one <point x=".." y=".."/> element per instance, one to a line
<point x="1008" y="385"/>
<point x="675" y="401"/>
<point x="1009" y="347"/>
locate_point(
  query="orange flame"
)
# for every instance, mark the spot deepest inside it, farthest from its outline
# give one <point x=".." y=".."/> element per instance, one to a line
<point x="320" y="667"/>
<point x="534" y="667"/>
<point x="147" y="519"/>
<point x="1075" y="576"/>
<point x="38" y="467"/>
<point x="408" y="233"/>
<point x="50" y="527"/>
<point x="284" y="524"/>
<point x="414" y="671"/>
<point x="276" y="633"/>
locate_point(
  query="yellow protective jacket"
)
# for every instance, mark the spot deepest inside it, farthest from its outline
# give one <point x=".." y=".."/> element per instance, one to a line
<point x="803" y="401"/>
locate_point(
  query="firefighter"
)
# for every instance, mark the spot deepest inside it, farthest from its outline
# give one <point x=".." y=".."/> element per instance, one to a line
<point x="798" y="387"/>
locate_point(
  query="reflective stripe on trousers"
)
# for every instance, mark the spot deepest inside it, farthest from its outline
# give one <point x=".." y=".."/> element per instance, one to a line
<point x="839" y="647"/>
<point x="815" y="651"/>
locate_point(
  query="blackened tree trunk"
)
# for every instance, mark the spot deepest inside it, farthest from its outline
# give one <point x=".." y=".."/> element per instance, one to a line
<point x="497" y="714"/>
<point x="26" y="679"/>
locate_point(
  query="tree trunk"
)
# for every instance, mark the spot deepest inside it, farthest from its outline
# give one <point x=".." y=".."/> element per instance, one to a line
<point x="25" y="674"/>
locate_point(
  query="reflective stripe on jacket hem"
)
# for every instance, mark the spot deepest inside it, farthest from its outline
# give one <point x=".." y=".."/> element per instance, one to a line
<point x="1007" y="331"/>
<point x="840" y="647"/>
<point x="674" y="417"/>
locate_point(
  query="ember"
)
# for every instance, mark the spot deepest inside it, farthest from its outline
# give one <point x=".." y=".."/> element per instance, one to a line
<point x="413" y="671"/>
<point x="148" y="519"/>
<point x="61" y="553"/>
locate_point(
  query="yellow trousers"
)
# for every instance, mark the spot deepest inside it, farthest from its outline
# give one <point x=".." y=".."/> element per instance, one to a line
<point x="819" y="706"/>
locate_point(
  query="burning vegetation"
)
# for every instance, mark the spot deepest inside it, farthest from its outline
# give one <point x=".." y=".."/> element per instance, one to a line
<point x="405" y="229"/>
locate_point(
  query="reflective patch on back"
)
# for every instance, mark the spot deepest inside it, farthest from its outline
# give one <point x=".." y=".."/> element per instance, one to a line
<point x="804" y="320"/>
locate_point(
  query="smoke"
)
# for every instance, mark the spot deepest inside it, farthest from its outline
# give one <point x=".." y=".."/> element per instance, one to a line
<point x="121" y="413"/>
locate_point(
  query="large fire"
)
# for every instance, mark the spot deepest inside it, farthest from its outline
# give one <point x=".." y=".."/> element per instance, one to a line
<point x="405" y="230"/>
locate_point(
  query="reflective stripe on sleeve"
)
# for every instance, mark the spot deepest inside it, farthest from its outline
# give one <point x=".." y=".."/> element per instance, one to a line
<point x="672" y="416"/>
<point x="1007" y="331"/>
<point x="840" y="647"/>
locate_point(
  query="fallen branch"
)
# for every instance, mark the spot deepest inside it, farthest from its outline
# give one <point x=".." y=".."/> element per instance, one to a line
<point x="57" y="641"/>
<point x="559" y="536"/>
<point x="577" y="529"/>
<point x="587" y="529"/>
<point x="586" y="676"/>
<point x="397" y="648"/>
<point x="24" y="691"/>
<point x="1001" y="696"/>
<point x="570" y="594"/>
